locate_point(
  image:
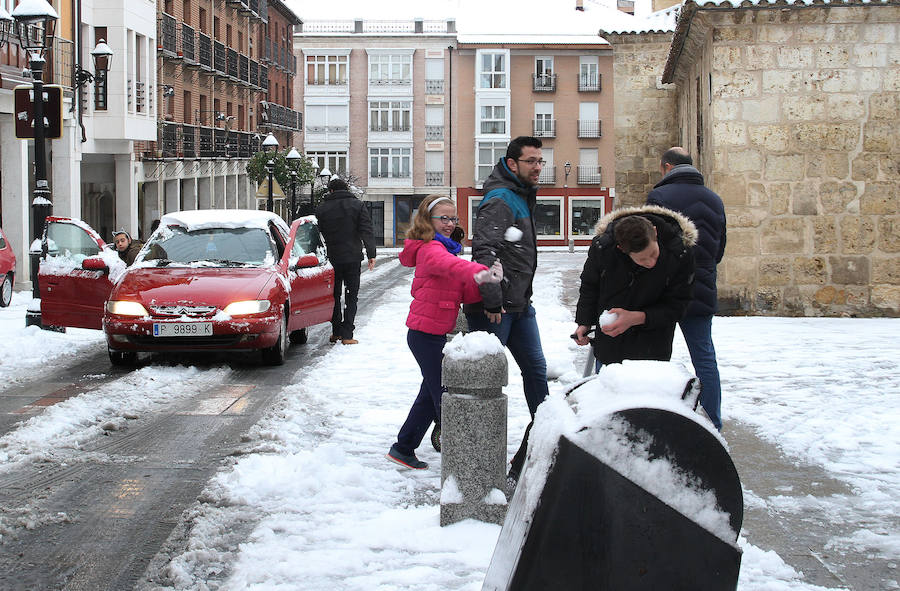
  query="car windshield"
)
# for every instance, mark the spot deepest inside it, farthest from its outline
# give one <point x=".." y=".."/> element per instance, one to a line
<point x="217" y="246"/>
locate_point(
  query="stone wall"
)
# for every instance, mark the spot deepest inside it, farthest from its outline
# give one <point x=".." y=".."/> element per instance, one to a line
<point x="644" y="113"/>
<point x="802" y="145"/>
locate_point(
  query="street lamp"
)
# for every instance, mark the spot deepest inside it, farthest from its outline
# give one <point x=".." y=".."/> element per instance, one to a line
<point x="35" y="21"/>
<point x="312" y="183"/>
<point x="293" y="159"/>
<point x="324" y="176"/>
<point x="270" y="142"/>
<point x="102" y="56"/>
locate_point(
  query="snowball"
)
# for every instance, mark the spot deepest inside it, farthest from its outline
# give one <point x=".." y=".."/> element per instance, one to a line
<point x="450" y="493"/>
<point x="512" y="234"/>
<point x="607" y="318"/>
<point x="471" y="346"/>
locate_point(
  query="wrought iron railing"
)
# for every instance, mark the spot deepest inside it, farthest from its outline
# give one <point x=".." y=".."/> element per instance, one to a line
<point x="588" y="175"/>
<point x="139" y="96"/>
<point x="167" y="39"/>
<point x="544" y="82"/>
<point x="263" y="76"/>
<point x="434" y="86"/>
<point x="207" y="147"/>
<point x="434" y="179"/>
<point x="589" y="128"/>
<point x="232" y="61"/>
<point x="276" y="115"/>
<point x="58" y="69"/>
<point x="434" y="132"/>
<point x="244" y="68"/>
<point x="220" y="57"/>
<point x="589" y="82"/>
<point x="189" y="141"/>
<point x="188" y="45"/>
<point x="544" y="127"/>
<point x="168" y="139"/>
<point x="254" y="73"/>
<point x="204" y="47"/>
<point x="548" y="176"/>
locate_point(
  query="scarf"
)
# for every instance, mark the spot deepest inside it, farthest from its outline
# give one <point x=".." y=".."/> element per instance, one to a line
<point x="452" y="246"/>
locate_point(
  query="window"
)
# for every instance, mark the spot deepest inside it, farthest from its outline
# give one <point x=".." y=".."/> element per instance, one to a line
<point x="434" y="76"/>
<point x="588" y="166"/>
<point x="493" y="119"/>
<point x="389" y="162"/>
<point x="390" y="69"/>
<point x="588" y="120"/>
<point x="434" y="122"/>
<point x="489" y="153"/>
<point x="492" y="70"/>
<point x="544" y="124"/>
<point x="327" y="119"/>
<point x="335" y="162"/>
<point x="589" y="74"/>
<point x="548" y="217"/>
<point x="544" y="79"/>
<point x="390" y="115"/>
<point x="434" y="169"/>
<point x="548" y="172"/>
<point x="586" y="212"/>
<point x="326" y="69"/>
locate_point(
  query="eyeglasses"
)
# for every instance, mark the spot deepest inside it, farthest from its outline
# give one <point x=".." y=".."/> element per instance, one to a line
<point x="446" y="219"/>
<point x="533" y="161"/>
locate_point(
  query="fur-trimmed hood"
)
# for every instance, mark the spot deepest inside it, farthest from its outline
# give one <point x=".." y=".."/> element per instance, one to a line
<point x="688" y="229"/>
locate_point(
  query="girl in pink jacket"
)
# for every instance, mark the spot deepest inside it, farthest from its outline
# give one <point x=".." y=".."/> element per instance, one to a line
<point x="442" y="282"/>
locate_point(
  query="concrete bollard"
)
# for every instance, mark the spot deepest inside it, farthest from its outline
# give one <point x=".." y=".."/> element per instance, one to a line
<point x="473" y="432"/>
<point x="571" y="245"/>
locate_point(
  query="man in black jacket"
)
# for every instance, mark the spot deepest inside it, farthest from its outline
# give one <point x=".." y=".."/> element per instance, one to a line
<point x="640" y="267"/>
<point x="346" y="226"/>
<point x="681" y="189"/>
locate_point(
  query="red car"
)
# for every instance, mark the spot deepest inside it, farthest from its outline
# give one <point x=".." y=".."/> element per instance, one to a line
<point x="223" y="280"/>
<point x="7" y="270"/>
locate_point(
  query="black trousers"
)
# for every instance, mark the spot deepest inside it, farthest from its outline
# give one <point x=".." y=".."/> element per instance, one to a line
<point x="346" y="281"/>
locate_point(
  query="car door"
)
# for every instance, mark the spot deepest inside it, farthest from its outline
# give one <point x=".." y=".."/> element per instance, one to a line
<point x="72" y="295"/>
<point x="311" y="276"/>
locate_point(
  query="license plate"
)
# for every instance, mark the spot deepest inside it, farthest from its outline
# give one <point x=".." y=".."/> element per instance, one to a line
<point x="182" y="329"/>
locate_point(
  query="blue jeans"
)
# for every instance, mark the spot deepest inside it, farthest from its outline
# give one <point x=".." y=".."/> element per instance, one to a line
<point x="697" y="331"/>
<point x="518" y="331"/>
<point x="428" y="349"/>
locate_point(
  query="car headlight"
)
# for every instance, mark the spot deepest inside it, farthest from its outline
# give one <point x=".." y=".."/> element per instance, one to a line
<point x="247" y="307"/>
<point x="124" y="308"/>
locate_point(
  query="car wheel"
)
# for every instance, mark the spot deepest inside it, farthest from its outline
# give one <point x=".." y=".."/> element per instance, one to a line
<point x="274" y="355"/>
<point x="6" y="289"/>
<point x="299" y="337"/>
<point x="123" y="358"/>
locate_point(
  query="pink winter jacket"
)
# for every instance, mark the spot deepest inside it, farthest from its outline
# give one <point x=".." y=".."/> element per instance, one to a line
<point x="442" y="281"/>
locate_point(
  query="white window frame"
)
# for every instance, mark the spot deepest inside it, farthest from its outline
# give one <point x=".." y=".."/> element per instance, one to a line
<point x="572" y="200"/>
<point x="487" y="114"/>
<point x="390" y="68"/>
<point x="340" y="61"/>
<point x="336" y="161"/>
<point x="474" y="202"/>
<point x="559" y="208"/>
<point x="588" y="70"/>
<point x="497" y="147"/>
<point x="389" y="156"/>
<point x="544" y="115"/>
<point x="496" y="79"/>
<point x="396" y="113"/>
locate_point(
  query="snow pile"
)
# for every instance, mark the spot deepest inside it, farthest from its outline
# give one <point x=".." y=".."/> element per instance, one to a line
<point x="472" y="346"/>
<point x="450" y="493"/>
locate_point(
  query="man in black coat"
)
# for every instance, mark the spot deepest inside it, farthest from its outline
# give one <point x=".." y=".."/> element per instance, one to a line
<point x="640" y="267"/>
<point x="681" y="189"/>
<point x="346" y="226"/>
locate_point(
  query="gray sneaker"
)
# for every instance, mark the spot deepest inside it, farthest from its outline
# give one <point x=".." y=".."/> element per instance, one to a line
<point x="410" y="461"/>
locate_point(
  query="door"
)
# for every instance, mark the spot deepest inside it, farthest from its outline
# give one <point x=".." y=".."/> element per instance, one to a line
<point x="312" y="288"/>
<point x="70" y="294"/>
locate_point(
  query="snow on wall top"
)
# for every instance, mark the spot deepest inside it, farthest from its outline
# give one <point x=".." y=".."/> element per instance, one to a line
<point x="661" y="21"/>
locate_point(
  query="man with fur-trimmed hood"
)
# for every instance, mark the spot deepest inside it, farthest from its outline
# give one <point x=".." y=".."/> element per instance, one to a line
<point x="640" y="268"/>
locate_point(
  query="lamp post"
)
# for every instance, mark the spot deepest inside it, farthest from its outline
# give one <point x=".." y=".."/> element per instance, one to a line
<point x="270" y="142"/>
<point x="293" y="159"/>
<point x="312" y="184"/>
<point x="102" y="57"/>
<point x="35" y="22"/>
<point x="324" y="176"/>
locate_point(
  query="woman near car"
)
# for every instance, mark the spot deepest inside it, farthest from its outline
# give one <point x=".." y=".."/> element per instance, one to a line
<point x="442" y="282"/>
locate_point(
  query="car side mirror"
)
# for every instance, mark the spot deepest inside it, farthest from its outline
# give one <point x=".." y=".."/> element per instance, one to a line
<point x="307" y="261"/>
<point x="95" y="264"/>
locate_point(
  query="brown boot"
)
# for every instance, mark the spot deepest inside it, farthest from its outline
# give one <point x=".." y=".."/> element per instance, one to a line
<point x="349" y="341"/>
<point x="334" y="338"/>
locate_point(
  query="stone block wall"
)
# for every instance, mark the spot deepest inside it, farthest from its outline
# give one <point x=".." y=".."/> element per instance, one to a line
<point x="802" y="145"/>
<point x="644" y="113"/>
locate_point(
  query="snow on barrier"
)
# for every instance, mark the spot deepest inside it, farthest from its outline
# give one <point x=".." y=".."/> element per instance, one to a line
<point x="625" y="487"/>
<point x="473" y="429"/>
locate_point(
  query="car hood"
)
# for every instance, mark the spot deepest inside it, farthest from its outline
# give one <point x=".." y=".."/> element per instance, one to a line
<point x="210" y="286"/>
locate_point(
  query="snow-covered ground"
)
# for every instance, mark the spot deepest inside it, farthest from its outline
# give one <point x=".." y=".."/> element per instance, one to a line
<point x="315" y="505"/>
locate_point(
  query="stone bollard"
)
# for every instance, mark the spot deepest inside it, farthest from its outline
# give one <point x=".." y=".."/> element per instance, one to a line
<point x="571" y="245"/>
<point x="473" y="430"/>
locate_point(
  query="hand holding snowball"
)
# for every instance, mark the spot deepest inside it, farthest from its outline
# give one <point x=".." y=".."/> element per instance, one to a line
<point x="624" y="320"/>
<point x="492" y="275"/>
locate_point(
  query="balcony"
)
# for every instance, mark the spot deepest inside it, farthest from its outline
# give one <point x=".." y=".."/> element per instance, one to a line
<point x="58" y="69"/>
<point x="434" y="132"/>
<point x="244" y="69"/>
<point x="390" y="81"/>
<point x="263" y="77"/>
<point x="588" y="175"/>
<point x="588" y="128"/>
<point x="387" y="127"/>
<point x="254" y="74"/>
<point x="220" y="56"/>
<point x="548" y="176"/>
<point x="434" y="86"/>
<point x="277" y="116"/>
<point x="589" y="82"/>
<point x="544" y="127"/>
<point x="176" y="140"/>
<point x="189" y="141"/>
<point x="231" y="59"/>
<point x="204" y="51"/>
<point x="169" y="139"/>
<point x="544" y="82"/>
<point x="166" y="35"/>
<point x="434" y="179"/>
<point x="188" y="45"/>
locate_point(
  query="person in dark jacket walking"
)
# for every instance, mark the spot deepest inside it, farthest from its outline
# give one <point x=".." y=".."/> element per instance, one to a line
<point x="346" y="226"/>
<point x="504" y="230"/>
<point x="681" y="189"/>
<point x="640" y="267"/>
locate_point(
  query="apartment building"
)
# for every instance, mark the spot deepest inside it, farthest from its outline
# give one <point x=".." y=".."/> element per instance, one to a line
<point x="552" y="89"/>
<point x="226" y="70"/>
<point x="376" y="95"/>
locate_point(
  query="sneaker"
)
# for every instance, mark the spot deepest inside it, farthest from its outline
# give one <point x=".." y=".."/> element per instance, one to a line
<point x="436" y="437"/>
<point x="349" y="341"/>
<point x="410" y="461"/>
<point x="334" y="338"/>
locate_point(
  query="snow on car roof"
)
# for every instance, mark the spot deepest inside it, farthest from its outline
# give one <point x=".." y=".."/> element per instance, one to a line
<point x="223" y="218"/>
